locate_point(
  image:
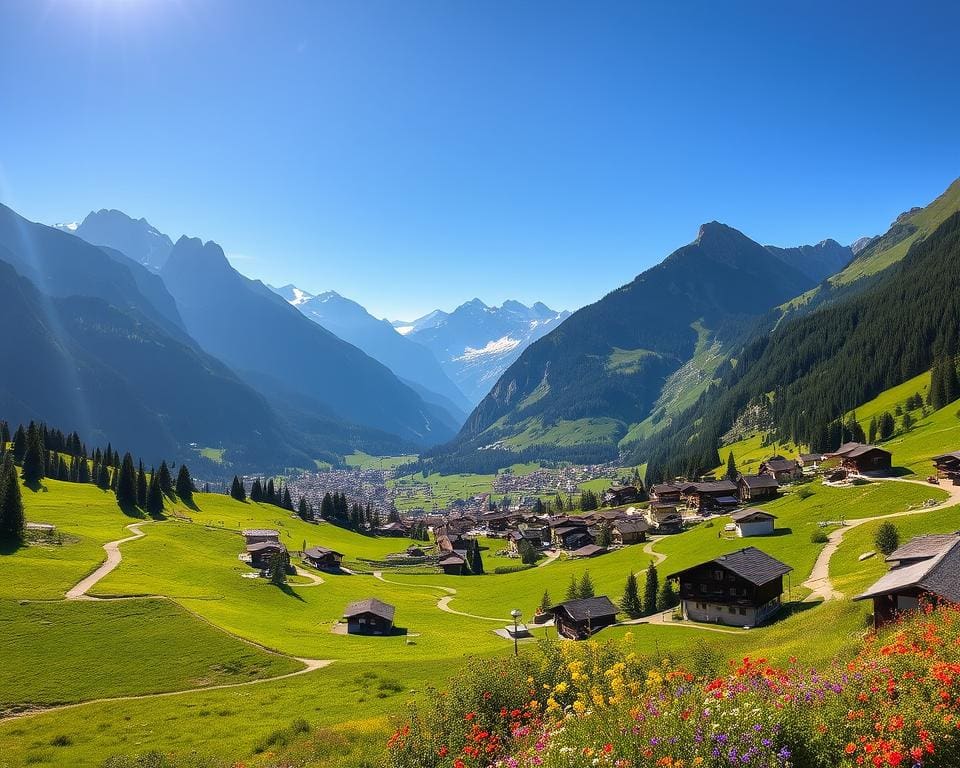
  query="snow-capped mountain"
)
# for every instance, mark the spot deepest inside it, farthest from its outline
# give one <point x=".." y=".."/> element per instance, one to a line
<point x="411" y="362"/>
<point x="136" y="238"/>
<point x="475" y="343"/>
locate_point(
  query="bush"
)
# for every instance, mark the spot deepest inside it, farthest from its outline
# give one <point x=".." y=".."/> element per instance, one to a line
<point x="819" y="536"/>
<point x="805" y="493"/>
<point x="887" y="538"/>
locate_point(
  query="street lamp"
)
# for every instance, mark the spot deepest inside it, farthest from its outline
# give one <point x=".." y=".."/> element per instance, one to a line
<point x="516" y="628"/>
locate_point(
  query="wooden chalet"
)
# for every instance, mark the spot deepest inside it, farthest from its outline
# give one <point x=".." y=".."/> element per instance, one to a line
<point x="861" y="458"/>
<point x="742" y="589"/>
<point x="532" y="535"/>
<point x="711" y="496"/>
<point x="578" y="619"/>
<point x="757" y="487"/>
<point x="262" y="552"/>
<point x="629" y="531"/>
<point x="618" y="495"/>
<point x="665" y="493"/>
<point x="947" y="466"/>
<point x="323" y="558"/>
<point x="810" y="461"/>
<point x="391" y="529"/>
<point x="588" y="550"/>
<point x="572" y="536"/>
<point x="259" y="535"/>
<point x="753" y="522"/>
<point x="781" y="469"/>
<point x="926" y="568"/>
<point x="664" y="518"/>
<point x="453" y="563"/>
<point x="369" y="617"/>
<point x="499" y="522"/>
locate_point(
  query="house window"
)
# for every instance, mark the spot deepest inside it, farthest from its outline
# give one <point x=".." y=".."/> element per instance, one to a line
<point x="743" y="611"/>
<point x="718" y="575"/>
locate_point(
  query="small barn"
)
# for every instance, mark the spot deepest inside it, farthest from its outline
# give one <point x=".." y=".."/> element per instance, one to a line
<point x="618" y="495"/>
<point x="925" y="568"/>
<point x="323" y="558"/>
<point x="947" y="466"/>
<point x="711" y="495"/>
<point x="369" y="617"/>
<point x="262" y="552"/>
<point x="810" y="461"/>
<point x="753" y="522"/>
<point x="783" y="470"/>
<point x="666" y="493"/>
<point x="588" y="550"/>
<point x="453" y="563"/>
<point x="757" y="487"/>
<point x="861" y="458"/>
<point x="629" y="531"/>
<point x="578" y="619"/>
<point x="259" y="535"/>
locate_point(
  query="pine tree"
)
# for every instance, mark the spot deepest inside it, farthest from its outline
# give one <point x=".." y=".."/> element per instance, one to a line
<point x="528" y="555"/>
<point x="585" y="588"/>
<point x="127" y="484"/>
<point x="545" y="603"/>
<point x="603" y="536"/>
<point x="287" y="499"/>
<point x="887" y="538"/>
<point x="731" y="467"/>
<point x="474" y="560"/>
<point x="666" y="597"/>
<point x="164" y="479"/>
<point x="19" y="444"/>
<point x="270" y="497"/>
<point x="886" y="426"/>
<point x="256" y="490"/>
<point x="630" y="602"/>
<point x="650" y="588"/>
<point x="12" y="520"/>
<point x="872" y="434"/>
<point x="184" y="485"/>
<point x="237" y="491"/>
<point x="277" y="569"/>
<point x="103" y="477"/>
<point x="302" y="512"/>
<point x="326" y="507"/>
<point x="83" y="468"/>
<point x="573" y="588"/>
<point x="154" y="496"/>
<point x="33" y="457"/>
<point x="141" y="487"/>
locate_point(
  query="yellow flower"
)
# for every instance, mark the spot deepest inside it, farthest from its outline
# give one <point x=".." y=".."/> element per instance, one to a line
<point x="579" y="707"/>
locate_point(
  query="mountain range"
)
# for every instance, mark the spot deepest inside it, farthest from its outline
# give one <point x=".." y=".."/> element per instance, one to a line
<point x="659" y="369"/>
<point x="476" y="343"/>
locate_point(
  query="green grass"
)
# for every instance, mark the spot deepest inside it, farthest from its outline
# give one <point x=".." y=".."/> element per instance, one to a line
<point x="214" y="454"/>
<point x="412" y="492"/>
<point x="750" y="451"/>
<point x="566" y="432"/>
<point x="852" y="576"/>
<point x="86" y="518"/>
<point x="61" y="652"/>
<point x="361" y="460"/>
<point x="931" y="435"/>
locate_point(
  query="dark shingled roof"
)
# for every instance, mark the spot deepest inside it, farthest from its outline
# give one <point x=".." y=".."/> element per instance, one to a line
<point x="743" y="514"/>
<point x="759" y="481"/>
<point x="589" y="607"/>
<point x="588" y="550"/>
<point x="749" y="563"/>
<point x="321" y="552"/>
<point x="631" y="526"/>
<point x="938" y="574"/>
<point x="263" y="546"/>
<point x="664" y="488"/>
<point x="852" y="450"/>
<point x="715" y="486"/>
<point x="781" y="465"/>
<point x="370" y="605"/>
<point x="923" y="547"/>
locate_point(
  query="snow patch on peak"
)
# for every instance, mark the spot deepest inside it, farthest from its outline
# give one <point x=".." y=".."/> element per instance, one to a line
<point x="403" y="330"/>
<point x="499" y="347"/>
<point x="69" y="227"/>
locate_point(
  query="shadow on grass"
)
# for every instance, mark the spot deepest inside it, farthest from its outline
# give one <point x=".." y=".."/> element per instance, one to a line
<point x="792" y="609"/>
<point x="780" y="532"/>
<point x="9" y="546"/>
<point x="895" y="472"/>
<point x="395" y="632"/>
<point x="132" y="510"/>
<point x="290" y="592"/>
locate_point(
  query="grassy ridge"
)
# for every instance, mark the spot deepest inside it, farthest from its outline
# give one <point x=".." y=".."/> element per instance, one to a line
<point x="61" y="652"/>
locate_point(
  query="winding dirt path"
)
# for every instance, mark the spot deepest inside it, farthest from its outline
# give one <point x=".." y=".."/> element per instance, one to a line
<point x="444" y="602"/>
<point x="819" y="582"/>
<point x="112" y="548"/>
<point x="315" y="581"/>
<point x="309" y="665"/>
<point x="658" y="557"/>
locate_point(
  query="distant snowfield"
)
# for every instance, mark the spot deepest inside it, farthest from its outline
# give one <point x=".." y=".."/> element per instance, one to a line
<point x="403" y="330"/>
<point x="499" y="347"/>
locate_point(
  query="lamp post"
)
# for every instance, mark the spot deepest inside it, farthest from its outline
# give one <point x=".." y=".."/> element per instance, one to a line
<point x="515" y="613"/>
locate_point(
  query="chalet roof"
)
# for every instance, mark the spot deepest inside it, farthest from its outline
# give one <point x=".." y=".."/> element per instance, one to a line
<point x="247" y="532"/>
<point x="759" y="481"/>
<point x="781" y="465"/>
<point x="588" y="550"/>
<point x="728" y="501"/>
<point x="587" y="608"/>
<point x="661" y="488"/>
<point x="745" y="514"/>
<point x="452" y="558"/>
<point x="923" y="547"/>
<point x="321" y="552"/>
<point x="663" y="505"/>
<point x="715" y="486"/>
<point x="811" y="457"/>
<point x="622" y="488"/>
<point x="370" y="605"/>
<point x="945" y="456"/>
<point x="565" y="520"/>
<point x="852" y="450"/>
<point x="563" y="530"/>
<point x="938" y="575"/>
<point x="266" y="546"/>
<point x="631" y="526"/>
<point x="749" y="563"/>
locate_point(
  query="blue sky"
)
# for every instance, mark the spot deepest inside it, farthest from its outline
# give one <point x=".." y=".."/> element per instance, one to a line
<point x="413" y="155"/>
